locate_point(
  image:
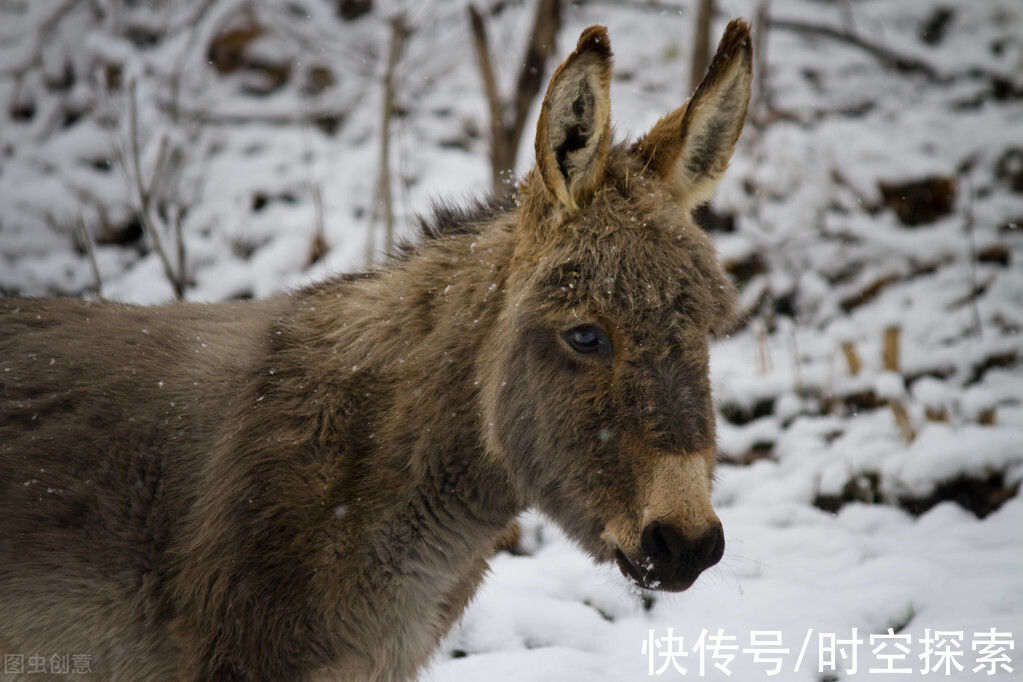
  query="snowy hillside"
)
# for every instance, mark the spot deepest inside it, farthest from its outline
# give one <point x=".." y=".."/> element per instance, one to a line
<point x="870" y="395"/>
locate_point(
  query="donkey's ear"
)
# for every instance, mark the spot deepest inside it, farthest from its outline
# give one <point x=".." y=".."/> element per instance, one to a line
<point x="691" y="146"/>
<point x="574" y="131"/>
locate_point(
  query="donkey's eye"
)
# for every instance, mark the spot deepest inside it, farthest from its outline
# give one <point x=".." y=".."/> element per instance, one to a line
<point x="587" y="339"/>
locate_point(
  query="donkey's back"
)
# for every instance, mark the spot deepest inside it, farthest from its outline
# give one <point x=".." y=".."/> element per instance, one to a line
<point x="312" y="485"/>
<point x="104" y="411"/>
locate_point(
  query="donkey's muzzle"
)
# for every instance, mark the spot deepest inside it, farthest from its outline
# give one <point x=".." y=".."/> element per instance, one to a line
<point x="674" y="560"/>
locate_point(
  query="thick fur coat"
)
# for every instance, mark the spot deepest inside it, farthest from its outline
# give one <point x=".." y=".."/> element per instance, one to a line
<point x="309" y="487"/>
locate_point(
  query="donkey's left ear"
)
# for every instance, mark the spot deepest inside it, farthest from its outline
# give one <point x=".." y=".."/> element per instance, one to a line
<point x="691" y="146"/>
<point x="573" y="134"/>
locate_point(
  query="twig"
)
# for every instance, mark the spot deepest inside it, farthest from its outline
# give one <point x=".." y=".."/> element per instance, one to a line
<point x="542" y="43"/>
<point x="902" y="420"/>
<point x="898" y="61"/>
<point x="797" y="374"/>
<point x="90" y="252"/>
<point x="318" y="224"/>
<point x="764" y="364"/>
<point x="885" y="55"/>
<point x="661" y="8"/>
<point x="505" y="135"/>
<point x="319" y="244"/>
<point x="399" y="32"/>
<point x="143" y="193"/>
<point x="191" y="25"/>
<point x="852" y="358"/>
<point x="498" y="155"/>
<point x="178" y="220"/>
<point x="761" y="92"/>
<point x="384" y="207"/>
<point x="41" y="40"/>
<point x="971" y="242"/>
<point x="846" y="10"/>
<point x="218" y="118"/>
<point x="701" y="44"/>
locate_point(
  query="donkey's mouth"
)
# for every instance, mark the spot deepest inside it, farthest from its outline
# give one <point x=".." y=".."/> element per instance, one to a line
<point x="629" y="569"/>
<point x="647" y="576"/>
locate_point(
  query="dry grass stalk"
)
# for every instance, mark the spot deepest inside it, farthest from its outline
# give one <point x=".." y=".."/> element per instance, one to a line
<point x="764" y="364"/>
<point x="891" y="348"/>
<point x="852" y="357"/>
<point x="988" y="416"/>
<point x="902" y="420"/>
<point x="145" y="195"/>
<point x="319" y="247"/>
<point x="90" y="252"/>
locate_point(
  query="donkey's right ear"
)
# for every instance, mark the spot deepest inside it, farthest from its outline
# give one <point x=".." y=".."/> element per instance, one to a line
<point x="690" y="147"/>
<point x="573" y="134"/>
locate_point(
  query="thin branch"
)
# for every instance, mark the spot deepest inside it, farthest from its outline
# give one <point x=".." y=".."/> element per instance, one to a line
<point x="178" y="220"/>
<point x="494" y="103"/>
<point x="797" y="374"/>
<point x="761" y="103"/>
<point x="384" y="207"/>
<point x="882" y="53"/>
<point x="90" y="252"/>
<point x="192" y="25"/>
<point x="846" y="10"/>
<point x="661" y="8"/>
<point x="542" y="44"/>
<point x="971" y="241"/>
<point x="143" y="193"/>
<point x="47" y="26"/>
<point x="318" y="248"/>
<point x="319" y="228"/>
<point x="206" y="117"/>
<point x="885" y="55"/>
<point x="701" y="44"/>
<point x="505" y="135"/>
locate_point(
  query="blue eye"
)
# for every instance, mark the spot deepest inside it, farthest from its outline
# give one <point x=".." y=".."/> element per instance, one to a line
<point x="587" y="339"/>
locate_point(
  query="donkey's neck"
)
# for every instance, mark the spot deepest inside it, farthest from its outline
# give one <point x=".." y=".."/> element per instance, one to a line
<point x="405" y="343"/>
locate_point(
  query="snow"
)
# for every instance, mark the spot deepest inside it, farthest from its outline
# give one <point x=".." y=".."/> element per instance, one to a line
<point x="834" y="266"/>
<point x="890" y="386"/>
<point x="788" y="569"/>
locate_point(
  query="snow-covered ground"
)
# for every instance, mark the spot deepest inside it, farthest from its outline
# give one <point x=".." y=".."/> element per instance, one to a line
<point x="871" y="516"/>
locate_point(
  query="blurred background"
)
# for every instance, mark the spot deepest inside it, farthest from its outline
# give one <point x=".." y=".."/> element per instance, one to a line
<point x="869" y="392"/>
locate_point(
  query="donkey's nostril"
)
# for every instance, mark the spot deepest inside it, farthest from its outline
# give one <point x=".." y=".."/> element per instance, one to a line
<point x="663" y="544"/>
<point x="675" y="561"/>
<point x="711" y="547"/>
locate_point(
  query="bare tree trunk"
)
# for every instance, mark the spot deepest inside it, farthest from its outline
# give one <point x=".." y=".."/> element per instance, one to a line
<point x="508" y="119"/>
<point x="384" y="208"/>
<point x="761" y="104"/>
<point x="701" y="43"/>
<point x="499" y="155"/>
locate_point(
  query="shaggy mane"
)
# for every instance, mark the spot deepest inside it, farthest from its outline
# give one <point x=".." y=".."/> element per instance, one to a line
<point x="447" y="219"/>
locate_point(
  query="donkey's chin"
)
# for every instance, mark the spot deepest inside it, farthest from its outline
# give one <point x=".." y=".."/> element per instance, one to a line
<point x="648" y="577"/>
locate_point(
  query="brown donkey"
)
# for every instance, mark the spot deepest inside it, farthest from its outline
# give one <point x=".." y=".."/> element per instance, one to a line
<point x="309" y="487"/>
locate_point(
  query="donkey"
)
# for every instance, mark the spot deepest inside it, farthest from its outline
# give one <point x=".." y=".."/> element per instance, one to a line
<point x="310" y="486"/>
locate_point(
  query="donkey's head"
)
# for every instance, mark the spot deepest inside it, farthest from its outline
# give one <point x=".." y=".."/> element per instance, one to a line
<point x="595" y="383"/>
